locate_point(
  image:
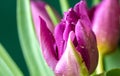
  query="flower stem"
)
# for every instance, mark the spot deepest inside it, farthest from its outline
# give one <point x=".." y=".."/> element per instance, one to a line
<point x="64" y="5"/>
<point x="100" y="68"/>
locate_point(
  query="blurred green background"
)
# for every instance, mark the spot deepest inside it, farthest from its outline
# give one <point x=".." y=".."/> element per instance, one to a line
<point x="9" y="34"/>
<point x="8" y="29"/>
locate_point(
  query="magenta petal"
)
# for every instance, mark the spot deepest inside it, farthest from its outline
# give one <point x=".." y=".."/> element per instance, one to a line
<point x="71" y="62"/>
<point x="106" y="26"/>
<point x="70" y="19"/>
<point x="86" y="45"/>
<point x="68" y="28"/>
<point x="82" y="39"/>
<point x="58" y="34"/>
<point x="81" y="10"/>
<point x="47" y="43"/>
<point x="38" y="9"/>
<point x="70" y="16"/>
<point x="91" y="12"/>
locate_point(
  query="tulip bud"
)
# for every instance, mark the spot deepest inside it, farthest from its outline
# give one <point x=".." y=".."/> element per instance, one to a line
<point x="77" y="20"/>
<point x="68" y="51"/>
<point x="106" y="25"/>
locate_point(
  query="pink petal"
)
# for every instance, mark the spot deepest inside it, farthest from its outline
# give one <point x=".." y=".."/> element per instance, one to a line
<point x="81" y="10"/>
<point x="48" y="46"/>
<point x="87" y="44"/>
<point x="106" y="25"/>
<point x="71" y="62"/>
<point x="58" y="34"/>
<point x="38" y="9"/>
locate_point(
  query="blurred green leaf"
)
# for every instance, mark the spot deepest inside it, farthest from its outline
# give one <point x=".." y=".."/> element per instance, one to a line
<point x="64" y="5"/>
<point x="29" y="43"/>
<point x="113" y="72"/>
<point x="52" y="15"/>
<point x="7" y="66"/>
<point x="4" y="69"/>
<point x="112" y="60"/>
<point x="95" y="2"/>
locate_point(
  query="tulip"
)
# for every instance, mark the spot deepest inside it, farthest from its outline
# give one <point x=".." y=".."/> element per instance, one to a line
<point x="106" y="25"/>
<point x="71" y="50"/>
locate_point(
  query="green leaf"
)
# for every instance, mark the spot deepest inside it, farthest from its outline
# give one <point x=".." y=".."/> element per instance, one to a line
<point x="95" y="2"/>
<point x="29" y="43"/>
<point x="4" y="69"/>
<point x="113" y="72"/>
<point x="112" y="60"/>
<point x="52" y="15"/>
<point x="7" y="66"/>
<point x="64" y="5"/>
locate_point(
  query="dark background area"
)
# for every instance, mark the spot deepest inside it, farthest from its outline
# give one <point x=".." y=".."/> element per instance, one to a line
<point x="8" y="29"/>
